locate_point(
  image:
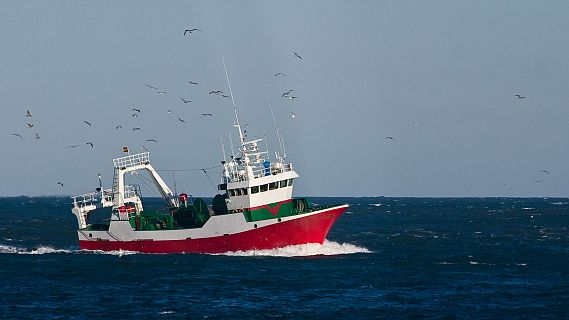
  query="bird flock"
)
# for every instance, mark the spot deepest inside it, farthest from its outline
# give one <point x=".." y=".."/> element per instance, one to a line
<point x="137" y="112"/>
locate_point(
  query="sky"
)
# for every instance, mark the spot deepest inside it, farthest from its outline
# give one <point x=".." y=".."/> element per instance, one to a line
<point x="438" y="77"/>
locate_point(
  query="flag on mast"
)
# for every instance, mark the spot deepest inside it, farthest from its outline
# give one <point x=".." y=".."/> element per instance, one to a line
<point x="125" y="149"/>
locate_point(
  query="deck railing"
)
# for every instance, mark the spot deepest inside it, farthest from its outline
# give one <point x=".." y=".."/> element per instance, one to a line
<point x="132" y="160"/>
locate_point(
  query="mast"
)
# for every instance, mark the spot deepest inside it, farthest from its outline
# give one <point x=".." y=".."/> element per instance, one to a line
<point x="233" y="101"/>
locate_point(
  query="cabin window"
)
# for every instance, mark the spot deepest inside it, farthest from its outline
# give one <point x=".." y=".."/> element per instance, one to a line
<point x="290" y="182"/>
<point x="238" y="192"/>
<point x="264" y="187"/>
<point x="254" y="189"/>
<point x="232" y="193"/>
<point x="283" y="183"/>
<point x="273" y="185"/>
<point x="244" y="191"/>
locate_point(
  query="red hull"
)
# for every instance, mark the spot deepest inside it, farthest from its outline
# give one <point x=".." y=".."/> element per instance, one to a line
<point x="310" y="229"/>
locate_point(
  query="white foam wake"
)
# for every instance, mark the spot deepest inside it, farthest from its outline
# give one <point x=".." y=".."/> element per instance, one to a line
<point x="328" y="248"/>
<point x="38" y="250"/>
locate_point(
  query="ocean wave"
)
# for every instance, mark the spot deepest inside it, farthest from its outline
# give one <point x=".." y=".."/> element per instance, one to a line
<point x="119" y="253"/>
<point x="38" y="250"/>
<point x="328" y="248"/>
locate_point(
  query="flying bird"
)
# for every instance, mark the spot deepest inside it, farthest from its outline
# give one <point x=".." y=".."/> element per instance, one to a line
<point x="389" y="138"/>
<point x="297" y="55"/>
<point x="287" y="93"/>
<point x="292" y="115"/>
<point x="279" y="74"/>
<point x="37" y="137"/>
<point x="144" y="148"/>
<point x="136" y="110"/>
<point x="60" y="183"/>
<point x="185" y="101"/>
<point x="135" y="115"/>
<point x="194" y="83"/>
<point x="545" y="171"/>
<point x="87" y="122"/>
<point x="151" y="140"/>
<point x="151" y="87"/>
<point x="207" y="114"/>
<point x="90" y="143"/>
<point x="215" y="92"/>
<point x="17" y="135"/>
<point x="225" y="96"/>
<point x="73" y="146"/>
<point x="191" y="30"/>
<point x="168" y="110"/>
<point x="292" y="97"/>
<point x="538" y="181"/>
<point x="161" y="92"/>
<point x="30" y="125"/>
<point x="118" y="127"/>
<point x="181" y="120"/>
<point x="134" y="129"/>
<point x="520" y="96"/>
<point x="28" y="114"/>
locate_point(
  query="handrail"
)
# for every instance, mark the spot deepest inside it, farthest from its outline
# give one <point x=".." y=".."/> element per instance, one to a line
<point x="132" y="160"/>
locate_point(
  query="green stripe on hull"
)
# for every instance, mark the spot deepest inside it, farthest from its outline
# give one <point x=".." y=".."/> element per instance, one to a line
<point x="277" y="210"/>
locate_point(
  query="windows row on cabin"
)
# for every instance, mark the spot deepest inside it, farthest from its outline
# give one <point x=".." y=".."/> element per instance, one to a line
<point x="261" y="188"/>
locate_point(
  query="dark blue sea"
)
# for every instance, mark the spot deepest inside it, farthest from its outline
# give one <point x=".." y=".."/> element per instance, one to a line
<point x="385" y="258"/>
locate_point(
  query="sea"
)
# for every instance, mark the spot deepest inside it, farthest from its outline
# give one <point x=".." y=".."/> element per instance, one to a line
<point x="385" y="258"/>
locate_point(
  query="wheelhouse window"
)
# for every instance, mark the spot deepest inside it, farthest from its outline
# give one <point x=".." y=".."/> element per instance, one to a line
<point x="290" y="182"/>
<point x="264" y="187"/>
<point x="273" y="185"/>
<point x="244" y="191"/>
<point x="283" y="183"/>
<point x="254" y="189"/>
<point x="231" y="193"/>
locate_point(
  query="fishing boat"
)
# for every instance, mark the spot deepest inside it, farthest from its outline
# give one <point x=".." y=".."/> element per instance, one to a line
<point x="253" y="209"/>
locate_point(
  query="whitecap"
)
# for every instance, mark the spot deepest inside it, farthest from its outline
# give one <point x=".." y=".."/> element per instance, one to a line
<point x="328" y="248"/>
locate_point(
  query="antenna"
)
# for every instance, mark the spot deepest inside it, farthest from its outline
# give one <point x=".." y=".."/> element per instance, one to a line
<point x="223" y="149"/>
<point x="174" y="178"/>
<point x="233" y="101"/>
<point x="231" y="144"/>
<point x="281" y="144"/>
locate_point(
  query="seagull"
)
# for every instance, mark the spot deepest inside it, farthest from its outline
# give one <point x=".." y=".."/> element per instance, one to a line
<point x="134" y="129"/>
<point x="520" y="97"/>
<point x="30" y="125"/>
<point x="287" y="93"/>
<point x="292" y="97"/>
<point x="185" y="101"/>
<point x="207" y="114"/>
<point x="151" y="87"/>
<point x="279" y="74"/>
<point x="119" y="127"/>
<point x="545" y="171"/>
<point x="161" y="92"/>
<point x="191" y="30"/>
<point x="73" y="146"/>
<point x="194" y="83"/>
<point x="168" y="110"/>
<point x="225" y="96"/>
<point x="181" y="120"/>
<point x="215" y="92"/>
<point x="538" y="181"/>
<point x="90" y="143"/>
<point x="144" y="148"/>
<point x="151" y="140"/>
<point x="37" y="137"/>
<point x="18" y="135"/>
<point x="136" y="110"/>
<point x="28" y="114"/>
<point x="292" y="115"/>
<point x="296" y="55"/>
<point x="87" y="122"/>
<point x="390" y="138"/>
<point x="60" y="183"/>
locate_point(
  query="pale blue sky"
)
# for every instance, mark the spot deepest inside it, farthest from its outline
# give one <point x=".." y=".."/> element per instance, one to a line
<point x="438" y="76"/>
